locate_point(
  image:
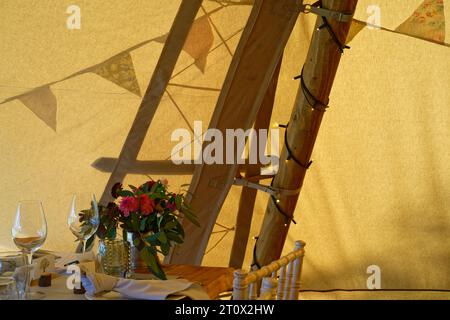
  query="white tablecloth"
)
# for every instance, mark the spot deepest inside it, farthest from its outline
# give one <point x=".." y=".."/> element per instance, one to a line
<point x="59" y="291"/>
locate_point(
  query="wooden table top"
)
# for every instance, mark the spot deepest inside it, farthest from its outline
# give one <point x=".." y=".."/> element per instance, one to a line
<point x="215" y="280"/>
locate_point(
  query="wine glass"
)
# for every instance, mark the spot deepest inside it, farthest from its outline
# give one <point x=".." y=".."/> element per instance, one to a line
<point x="83" y="217"/>
<point x="29" y="232"/>
<point x="8" y="289"/>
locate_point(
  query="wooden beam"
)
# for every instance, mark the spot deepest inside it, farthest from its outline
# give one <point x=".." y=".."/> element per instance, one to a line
<point x="150" y="167"/>
<point x="248" y="195"/>
<point x="319" y="73"/>
<point x="167" y="167"/>
<point x="155" y="91"/>
<point x="252" y="68"/>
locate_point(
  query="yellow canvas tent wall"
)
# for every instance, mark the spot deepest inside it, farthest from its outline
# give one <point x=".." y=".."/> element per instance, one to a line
<point x="376" y="195"/>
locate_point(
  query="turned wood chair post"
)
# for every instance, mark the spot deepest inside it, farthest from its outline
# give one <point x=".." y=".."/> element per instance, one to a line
<point x="281" y="284"/>
<point x="246" y="285"/>
<point x="240" y="285"/>
<point x="253" y="291"/>
<point x="297" y="271"/>
<point x="268" y="289"/>
<point x="288" y="282"/>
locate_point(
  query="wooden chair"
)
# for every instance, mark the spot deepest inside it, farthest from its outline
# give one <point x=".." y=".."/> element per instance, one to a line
<point x="288" y="269"/>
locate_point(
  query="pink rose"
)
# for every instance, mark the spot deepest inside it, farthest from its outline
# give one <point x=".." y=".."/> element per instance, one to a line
<point x="171" y="206"/>
<point x="128" y="205"/>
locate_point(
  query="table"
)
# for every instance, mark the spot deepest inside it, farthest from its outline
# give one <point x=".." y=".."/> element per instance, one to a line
<point x="215" y="280"/>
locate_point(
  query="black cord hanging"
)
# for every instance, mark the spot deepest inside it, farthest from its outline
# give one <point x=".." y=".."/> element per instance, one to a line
<point x="315" y="103"/>
<point x="333" y="35"/>
<point x="291" y="155"/>
<point x="317" y="9"/>
<point x="287" y="217"/>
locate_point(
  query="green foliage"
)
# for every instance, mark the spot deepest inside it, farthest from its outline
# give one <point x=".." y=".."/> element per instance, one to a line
<point x="90" y="241"/>
<point x="148" y="254"/>
<point x="126" y="193"/>
<point x="153" y="217"/>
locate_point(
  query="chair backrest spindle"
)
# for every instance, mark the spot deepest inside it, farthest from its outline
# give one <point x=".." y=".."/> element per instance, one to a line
<point x="253" y="291"/>
<point x="289" y="269"/>
<point x="268" y="289"/>
<point x="240" y="285"/>
<point x="281" y="284"/>
<point x="297" y="269"/>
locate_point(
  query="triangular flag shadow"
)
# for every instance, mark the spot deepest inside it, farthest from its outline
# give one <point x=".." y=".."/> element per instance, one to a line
<point x="427" y="22"/>
<point x="42" y="102"/>
<point x="120" y="70"/>
<point x="198" y="42"/>
<point x="355" y="28"/>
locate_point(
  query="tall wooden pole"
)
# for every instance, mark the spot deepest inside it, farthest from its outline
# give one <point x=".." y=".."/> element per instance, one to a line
<point x="254" y="63"/>
<point x="318" y="76"/>
<point x="248" y="195"/>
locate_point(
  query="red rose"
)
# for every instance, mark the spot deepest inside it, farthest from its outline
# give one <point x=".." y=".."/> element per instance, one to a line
<point x="147" y="205"/>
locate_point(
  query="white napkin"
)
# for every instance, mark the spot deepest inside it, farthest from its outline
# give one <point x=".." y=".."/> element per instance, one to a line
<point x="96" y="283"/>
<point x="67" y="257"/>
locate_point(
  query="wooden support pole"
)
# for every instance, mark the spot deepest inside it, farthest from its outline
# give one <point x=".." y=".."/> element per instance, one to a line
<point x="260" y="48"/>
<point x="155" y="91"/>
<point x="318" y="74"/>
<point x="248" y="195"/>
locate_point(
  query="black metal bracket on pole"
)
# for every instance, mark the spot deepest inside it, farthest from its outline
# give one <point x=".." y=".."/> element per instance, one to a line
<point x="330" y="14"/>
<point x="276" y="192"/>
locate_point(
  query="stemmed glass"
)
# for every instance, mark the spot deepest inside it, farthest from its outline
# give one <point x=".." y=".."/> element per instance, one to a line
<point x="8" y="289"/>
<point x="83" y="217"/>
<point x="29" y="232"/>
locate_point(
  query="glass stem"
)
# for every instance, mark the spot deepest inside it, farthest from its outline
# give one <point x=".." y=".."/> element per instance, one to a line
<point x="29" y="257"/>
<point x="28" y="272"/>
<point x="84" y="245"/>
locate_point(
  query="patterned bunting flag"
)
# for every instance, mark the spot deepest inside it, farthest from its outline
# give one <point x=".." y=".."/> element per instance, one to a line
<point x="42" y="102"/>
<point x="120" y="70"/>
<point x="427" y="22"/>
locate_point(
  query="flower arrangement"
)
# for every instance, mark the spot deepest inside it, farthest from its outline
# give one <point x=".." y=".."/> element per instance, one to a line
<point x="151" y="214"/>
